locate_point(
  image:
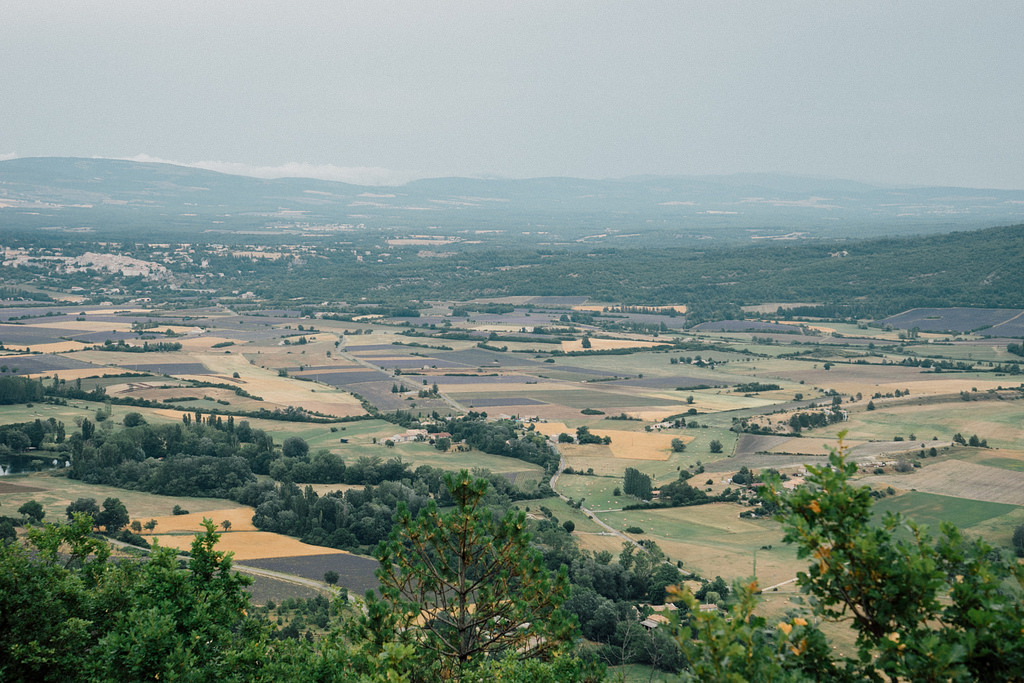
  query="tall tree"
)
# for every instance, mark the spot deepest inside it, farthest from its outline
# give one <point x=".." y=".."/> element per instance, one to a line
<point x="114" y="515"/>
<point x="469" y="583"/>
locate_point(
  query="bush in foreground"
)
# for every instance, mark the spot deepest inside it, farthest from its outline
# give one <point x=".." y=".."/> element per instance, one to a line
<point x="945" y="609"/>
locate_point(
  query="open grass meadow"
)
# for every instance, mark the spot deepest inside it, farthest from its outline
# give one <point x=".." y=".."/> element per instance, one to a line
<point x="55" y="492"/>
<point x="997" y="421"/>
<point x="993" y="521"/>
<point x="563" y="512"/>
<point x="1014" y="464"/>
<point x="597" y="491"/>
<point x="713" y="540"/>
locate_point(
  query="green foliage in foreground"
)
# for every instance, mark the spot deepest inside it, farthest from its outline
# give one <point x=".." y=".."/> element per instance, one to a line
<point x="69" y="612"/>
<point x="924" y="609"/>
<point x="469" y="585"/>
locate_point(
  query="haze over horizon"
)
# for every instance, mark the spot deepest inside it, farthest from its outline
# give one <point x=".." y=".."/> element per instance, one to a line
<point x="914" y="93"/>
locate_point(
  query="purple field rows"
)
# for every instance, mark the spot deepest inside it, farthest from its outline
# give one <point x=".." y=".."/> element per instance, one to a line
<point x="100" y="337"/>
<point x="484" y="358"/>
<point x="957" y="319"/>
<point x="415" y="362"/>
<point x="168" y="368"/>
<point x="662" y="382"/>
<point x="558" y="300"/>
<point x="344" y="379"/>
<point x="1011" y="328"/>
<point x="746" y="326"/>
<point x="17" y="311"/>
<point x="354" y="571"/>
<point x="353" y="348"/>
<point x="275" y="313"/>
<point x="673" y="322"/>
<point x="28" y="335"/>
<point x="510" y="401"/>
<point x="480" y="379"/>
<point x="45" y="362"/>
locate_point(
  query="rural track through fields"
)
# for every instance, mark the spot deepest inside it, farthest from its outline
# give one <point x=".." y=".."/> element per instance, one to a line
<point x="609" y="530"/>
<point x="281" y="576"/>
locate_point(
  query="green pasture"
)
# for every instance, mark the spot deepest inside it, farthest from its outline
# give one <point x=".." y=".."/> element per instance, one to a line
<point x="635" y="673"/>
<point x="422" y="453"/>
<point x="999" y="530"/>
<point x="999" y="422"/>
<point x="646" y="363"/>
<point x="931" y="509"/>
<point x="713" y="524"/>
<point x="561" y="510"/>
<point x="597" y="491"/>
<point x="713" y="540"/>
<point x="43" y="411"/>
<point x="58" y="491"/>
<point x="966" y="352"/>
<point x="1014" y="464"/>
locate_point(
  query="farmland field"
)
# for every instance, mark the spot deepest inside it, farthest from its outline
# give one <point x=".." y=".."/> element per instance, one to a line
<point x="712" y="539"/>
<point x="698" y="379"/>
<point x="931" y="509"/>
<point x="247" y="545"/>
<point x="56" y="492"/>
<point x="952" y="319"/>
<point x="355" y="572"/>
<point x="963" y="480"/>
<point x="999" y="422"/>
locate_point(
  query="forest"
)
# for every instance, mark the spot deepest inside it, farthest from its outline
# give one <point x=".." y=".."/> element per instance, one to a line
<point x="852" y="279"/>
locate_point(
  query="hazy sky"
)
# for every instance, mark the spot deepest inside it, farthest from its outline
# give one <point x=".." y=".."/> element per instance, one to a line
<point x="925" y="92"/>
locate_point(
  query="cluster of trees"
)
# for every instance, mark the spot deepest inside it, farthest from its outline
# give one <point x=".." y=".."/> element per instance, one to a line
<point x="321" y="467"/>
<point x="754" y="387"/>
<point x="20" y="436"/>
<point x="823" y="418"/>
<point x="938" y="364"/>
<point x="680" y="493"/>
<point x="122" y="346"/>
<point x="360" y="518"/>
<point x="19" y="390"/>
<point x="584" y="436"/>
<point x="502" y="437"/>
<point x="213" y="460"/>
<point x="113" y="517"/>
<point x="972" y="441"/>
<point x="636" y="483"/>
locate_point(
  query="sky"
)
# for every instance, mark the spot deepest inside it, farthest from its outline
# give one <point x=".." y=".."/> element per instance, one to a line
<point x="926" y="92"/>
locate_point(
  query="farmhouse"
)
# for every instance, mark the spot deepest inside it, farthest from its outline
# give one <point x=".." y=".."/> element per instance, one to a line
<point x="410" y="435"/>
<point x="654" y="621"/>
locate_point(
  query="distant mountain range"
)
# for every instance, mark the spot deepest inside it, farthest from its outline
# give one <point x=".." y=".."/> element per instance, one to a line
<point x="125" y="196"/>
